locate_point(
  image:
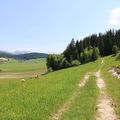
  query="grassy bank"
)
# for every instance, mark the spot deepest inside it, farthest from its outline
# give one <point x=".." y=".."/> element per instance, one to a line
<point x="112" y="83"/>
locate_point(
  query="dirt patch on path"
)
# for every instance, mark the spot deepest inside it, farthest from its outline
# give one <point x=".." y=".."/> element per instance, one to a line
<point x="105" y="107"/>
<point x="83" y="82"/>
<point x="115" y="71"/>
<point x="66" y="105"/>
<point x="102" y="61"/>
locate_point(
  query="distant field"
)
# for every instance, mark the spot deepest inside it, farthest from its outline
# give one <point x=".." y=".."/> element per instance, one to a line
<point x="14" y="69"/>
<point x="20" y="65"/>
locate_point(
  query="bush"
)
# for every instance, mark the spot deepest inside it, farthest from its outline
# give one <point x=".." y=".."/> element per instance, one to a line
<point x="57" y="62"/>
<point x="65" y="63"/>
<point x="54" y="61"/>
<point x="95" y="54"/>
<point x="75" y="63"/>
<point x="115" y="49"/>
<point x="118" y="57"/>
<point x="50" y="69"/>
<point x="84" y="56"/>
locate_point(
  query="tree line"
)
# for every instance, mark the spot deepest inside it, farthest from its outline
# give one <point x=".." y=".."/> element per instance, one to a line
<point x="85" y="50"/>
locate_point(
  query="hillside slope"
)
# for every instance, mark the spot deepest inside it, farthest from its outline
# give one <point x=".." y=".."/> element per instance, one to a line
<point x="25" y="56"/>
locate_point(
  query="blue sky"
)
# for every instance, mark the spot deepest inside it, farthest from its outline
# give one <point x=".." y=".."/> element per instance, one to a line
<point x="49" y="25"/>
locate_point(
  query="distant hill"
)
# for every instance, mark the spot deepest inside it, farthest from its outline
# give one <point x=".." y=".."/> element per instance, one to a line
<point x="28" y="56"/>
<point x="25" y="56"/>
<point x="21" y="52"/>
<point x="5" y="54"/>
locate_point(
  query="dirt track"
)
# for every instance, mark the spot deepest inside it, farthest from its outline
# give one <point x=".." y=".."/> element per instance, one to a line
<point x="105" y="108"/>
<point x="66" y="105"/>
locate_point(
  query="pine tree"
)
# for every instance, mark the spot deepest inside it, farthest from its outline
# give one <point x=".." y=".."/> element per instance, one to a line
<point x="73" y="50"/>
<point x="101" y="45"/>
<point x="77" y="50"/>
<point x="108" y="42"/>
<point x="81" y="46"/>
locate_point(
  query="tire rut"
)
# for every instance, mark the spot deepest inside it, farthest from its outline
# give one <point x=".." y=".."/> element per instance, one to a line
<point x="105" y="108"/>
<point x="65" y="107"/>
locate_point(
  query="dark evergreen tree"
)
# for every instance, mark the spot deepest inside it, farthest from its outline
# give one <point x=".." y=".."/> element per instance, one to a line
<point x="73" y="50"/>
<point x="78" y="50"/>
<point x="108" y="38"/>
<point x="87" y="49"/>
<point x="101" y="44"/>
<point x="93" y="40"/>
<point x="117" y="38"/>
<point x="81" y="46"/>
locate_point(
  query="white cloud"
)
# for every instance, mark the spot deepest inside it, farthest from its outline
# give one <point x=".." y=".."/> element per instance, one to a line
<point x="115" y="17"/>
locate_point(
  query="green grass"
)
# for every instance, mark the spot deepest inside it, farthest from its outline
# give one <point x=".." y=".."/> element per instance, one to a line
<point x="112" y="83"/>
<point x="20" y="66"/>
<point x="84" y="106"/>
<point x="40" y="98"/>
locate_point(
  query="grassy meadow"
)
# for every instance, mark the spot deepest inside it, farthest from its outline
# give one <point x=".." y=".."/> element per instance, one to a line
<point x="17" y="69"/>
<point x="23" y="65"/>
<point x="38" y="99"/>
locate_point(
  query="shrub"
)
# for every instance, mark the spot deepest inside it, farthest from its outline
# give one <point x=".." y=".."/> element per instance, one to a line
<point x="57" y="62"/>
<point x="75" y="63"/>
<point x="118" y="57"/>
<point x="115" y="49"/>
<point x="84" y="56"/>
<point x="54" y="61"/>
<point x="95" y="54"/>
<point x="50" y="69"/>
<point x="65" y="63"/>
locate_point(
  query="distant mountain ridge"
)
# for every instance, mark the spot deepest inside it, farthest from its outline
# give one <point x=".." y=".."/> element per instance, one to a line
<point x="33" y="55"/>
<point x="24" y="55"/>
<point x="21" y="52"/>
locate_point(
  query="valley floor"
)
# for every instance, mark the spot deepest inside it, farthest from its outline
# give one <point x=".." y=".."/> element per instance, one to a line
<point x="19" y="75"/>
